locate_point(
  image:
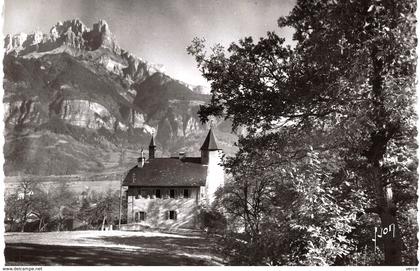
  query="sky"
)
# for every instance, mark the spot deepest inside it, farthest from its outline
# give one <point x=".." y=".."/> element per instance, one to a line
<point x="158" y="31"/>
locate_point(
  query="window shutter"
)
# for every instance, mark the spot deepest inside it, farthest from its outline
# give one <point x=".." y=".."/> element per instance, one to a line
<point x="186" y="193"/>
<point x="167" y="215"/>
<point x="142" y="216"/>
<point x="175" y="215"/>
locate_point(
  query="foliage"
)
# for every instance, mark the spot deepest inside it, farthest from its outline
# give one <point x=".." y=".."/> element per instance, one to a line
<point x="100" y="210"/>
<point x="291" y="208"/>
<point x="57" y="208"/>
<point x="20" y="205"/>
<point x="212" y="220"/>
<point x="31" y="203"/>
<point x="331" y="121"/>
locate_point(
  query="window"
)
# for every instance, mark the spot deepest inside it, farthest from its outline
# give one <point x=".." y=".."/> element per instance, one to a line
<point x="139" y="216"/>
<point x="186" y="193"/>
<point x="172" y="215"/>
<point x="157" y="193"/>
<point x="172" y="193"/>
<point x="142" y="216"/>
<point x="143" y="193"/>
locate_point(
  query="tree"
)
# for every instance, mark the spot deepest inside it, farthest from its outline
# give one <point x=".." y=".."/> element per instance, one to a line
<point x="43" y="208"/>
<point x="102" y="209"/>
<point x="30" y="199"/>
<point x="21" y="204"/>
<point x="62" y="200"/>
<point x="290" y="203"/>
<point x="11" y="209"/>
<point x="348" y="84"/>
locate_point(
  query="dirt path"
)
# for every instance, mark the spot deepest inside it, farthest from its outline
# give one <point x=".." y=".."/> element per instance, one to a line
<point x="107" y="248"/>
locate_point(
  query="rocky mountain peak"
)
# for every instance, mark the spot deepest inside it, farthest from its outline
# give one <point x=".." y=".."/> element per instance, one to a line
<point x="14" y="41"/>
<point x="102" y="27"/>
<point x="100" y="35"/>
<point x="74" y="87"/>
<point x="70" y="32"/>
<point x="76" y="26"/>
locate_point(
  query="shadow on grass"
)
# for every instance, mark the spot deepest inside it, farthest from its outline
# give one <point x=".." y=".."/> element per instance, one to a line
<point x="197" y="246"/>
<point x="34" y="254"/>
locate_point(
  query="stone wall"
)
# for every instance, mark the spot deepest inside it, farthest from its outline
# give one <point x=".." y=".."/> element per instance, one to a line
<point x="156" y="209"/>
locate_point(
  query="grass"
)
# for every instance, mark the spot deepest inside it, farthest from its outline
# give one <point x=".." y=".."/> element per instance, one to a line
<point x="108" y="248"/>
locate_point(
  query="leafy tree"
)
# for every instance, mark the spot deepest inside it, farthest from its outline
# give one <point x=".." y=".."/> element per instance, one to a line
<point x="290" y="203"/>
<point x="102" y="209"/>
<point x="343" y="97"/>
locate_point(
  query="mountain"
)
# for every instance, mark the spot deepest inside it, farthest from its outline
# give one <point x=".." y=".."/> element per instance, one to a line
<point x="77" y="103"/>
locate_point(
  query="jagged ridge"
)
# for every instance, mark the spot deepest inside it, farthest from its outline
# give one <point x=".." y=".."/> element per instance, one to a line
<point x="78" y="83"/>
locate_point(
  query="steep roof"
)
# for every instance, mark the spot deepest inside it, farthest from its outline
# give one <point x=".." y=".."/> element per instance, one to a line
<point x="168" y="172"/>
<point x="210" y="142"/>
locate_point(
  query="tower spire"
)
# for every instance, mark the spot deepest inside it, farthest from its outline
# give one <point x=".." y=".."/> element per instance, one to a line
<point x="152" y="148"/>
<point x="210" y="143"/>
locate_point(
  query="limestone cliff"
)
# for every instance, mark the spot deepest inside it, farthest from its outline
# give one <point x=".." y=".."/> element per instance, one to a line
<point x="75" y="84"/>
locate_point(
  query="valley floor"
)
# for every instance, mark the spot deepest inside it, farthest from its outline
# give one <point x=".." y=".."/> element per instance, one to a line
<point x="108" y="248"/>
